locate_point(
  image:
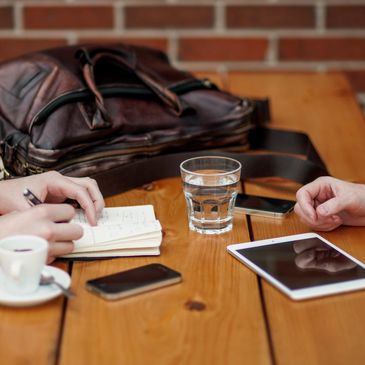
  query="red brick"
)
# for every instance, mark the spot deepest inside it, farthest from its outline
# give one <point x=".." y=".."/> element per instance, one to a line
<point x="346" y="16"/>
<point x="6" y="17"/>
<point x="270" y="16"/>
<point x="357" y="80"/>
<point x="222" y="49"/>
<point x="68" y="17"/>
<point x="318" y="49"/>
<point x="13" y="47"/>
<point x="159" y="43"/>
<point x="169" y="16"/>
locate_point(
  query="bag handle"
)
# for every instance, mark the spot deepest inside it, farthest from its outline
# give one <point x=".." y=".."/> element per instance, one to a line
<point x="146" y="170"/>
<point x="89" y="59"/>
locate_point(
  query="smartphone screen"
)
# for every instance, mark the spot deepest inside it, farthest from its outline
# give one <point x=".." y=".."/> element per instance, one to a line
<point x="134" y="281"/>
<point x="264" y="206"/>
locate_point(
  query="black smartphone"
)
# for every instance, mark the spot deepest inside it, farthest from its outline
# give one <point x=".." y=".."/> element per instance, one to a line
<point x="133" y="281"/>
<point x="263" y="206"/>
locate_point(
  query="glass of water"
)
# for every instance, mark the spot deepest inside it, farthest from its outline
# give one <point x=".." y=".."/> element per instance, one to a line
<point x="210" y="186"/>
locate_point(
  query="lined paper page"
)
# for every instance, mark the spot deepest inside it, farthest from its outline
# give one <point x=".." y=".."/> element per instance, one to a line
<point x="129" y="227"/>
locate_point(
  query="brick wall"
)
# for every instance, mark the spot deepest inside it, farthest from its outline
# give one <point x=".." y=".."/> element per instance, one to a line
<point x="218" y="35"/>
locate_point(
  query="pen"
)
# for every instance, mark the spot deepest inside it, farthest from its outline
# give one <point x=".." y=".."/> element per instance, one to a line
<point x="31" y="198"/>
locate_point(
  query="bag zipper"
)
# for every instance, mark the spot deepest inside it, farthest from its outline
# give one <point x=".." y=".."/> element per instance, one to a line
<point x="107" y="91"/>
<point x="29" y="168"/>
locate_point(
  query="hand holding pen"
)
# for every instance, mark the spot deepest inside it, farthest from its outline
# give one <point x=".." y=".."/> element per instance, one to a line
<point x="49" y="218"/>
<point x="52" y="188"/>
<point x="31" y="198"/>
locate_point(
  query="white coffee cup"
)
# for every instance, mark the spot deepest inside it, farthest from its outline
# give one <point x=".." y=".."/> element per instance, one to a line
<point x="22" y="259"/>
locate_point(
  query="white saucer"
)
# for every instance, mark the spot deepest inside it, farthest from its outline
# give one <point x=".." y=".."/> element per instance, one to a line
<point x="42" y="294"/>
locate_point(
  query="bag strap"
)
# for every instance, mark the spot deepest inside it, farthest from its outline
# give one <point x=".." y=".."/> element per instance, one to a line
<point x="283" y="141"/>
<point x="146" y="170"/>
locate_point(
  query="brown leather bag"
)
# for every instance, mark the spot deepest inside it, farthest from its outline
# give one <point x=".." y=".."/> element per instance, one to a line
<point x="119" y="110"/>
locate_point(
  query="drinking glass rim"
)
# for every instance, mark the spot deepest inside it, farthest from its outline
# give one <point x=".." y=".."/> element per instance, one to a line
<point x="210" y="157"/>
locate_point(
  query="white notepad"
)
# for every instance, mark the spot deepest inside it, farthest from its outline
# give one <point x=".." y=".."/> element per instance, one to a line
<point x="121" y="231"/>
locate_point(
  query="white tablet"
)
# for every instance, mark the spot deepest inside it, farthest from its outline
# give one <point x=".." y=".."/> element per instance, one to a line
<point x="302" y="266"/>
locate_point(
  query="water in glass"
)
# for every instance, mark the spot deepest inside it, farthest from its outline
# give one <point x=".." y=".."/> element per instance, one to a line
<point x="210" y="200"/>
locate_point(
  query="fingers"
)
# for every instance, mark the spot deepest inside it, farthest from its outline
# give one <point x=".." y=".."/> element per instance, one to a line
<point x="304" y="217"/>
<point x="92" y="187"/>
<point x="59" y="235"/>
<point x="331" y="206"/>
<point x="329" y="225"/>
<point x="317" y="204"/>
<point x="314" y="194"/>
<point x="59" y="249"/>
<point x="320" y="223"/>
<point x="52" y="187"/>
<point x="53" y="212"/>
<point x="61" y="241"/>
<point x="43" y="221"/>
<point x="305" y="202"/>
<point x="40" y="220"/>
<point x="84" y="190"/>
<point x="88" y="195"/>
<point x="66" y="232"/>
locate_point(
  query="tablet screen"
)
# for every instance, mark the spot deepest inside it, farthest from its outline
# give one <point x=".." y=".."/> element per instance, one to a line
<point x="304" y="263"/>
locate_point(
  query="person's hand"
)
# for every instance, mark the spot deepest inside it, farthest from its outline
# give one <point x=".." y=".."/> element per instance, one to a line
<point x="52" y="187"/>
<point x="312" y="254"/>
<point x="44" y="221"/>
<point x="327" y="203"/>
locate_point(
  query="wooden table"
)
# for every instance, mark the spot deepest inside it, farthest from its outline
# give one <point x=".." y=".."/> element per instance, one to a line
<point x="222" y="313"/>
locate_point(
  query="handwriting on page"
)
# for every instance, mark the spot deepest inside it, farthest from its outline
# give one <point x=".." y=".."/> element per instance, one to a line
<point x="117" y="225"/>
<point x="105" y="234"/>
<point x="121" y="215"/>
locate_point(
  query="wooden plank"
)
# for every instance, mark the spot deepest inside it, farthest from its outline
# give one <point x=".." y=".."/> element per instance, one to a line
<point x="31" y="334"/>
<point x="328" y="330"/>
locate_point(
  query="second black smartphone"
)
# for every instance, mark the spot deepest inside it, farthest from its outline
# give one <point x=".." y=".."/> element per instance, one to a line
<point x="263" y="206"/>
<point x="133" y="281"/>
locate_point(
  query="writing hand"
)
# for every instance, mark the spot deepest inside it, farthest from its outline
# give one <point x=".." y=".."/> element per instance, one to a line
<point x="52" y="187"/>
